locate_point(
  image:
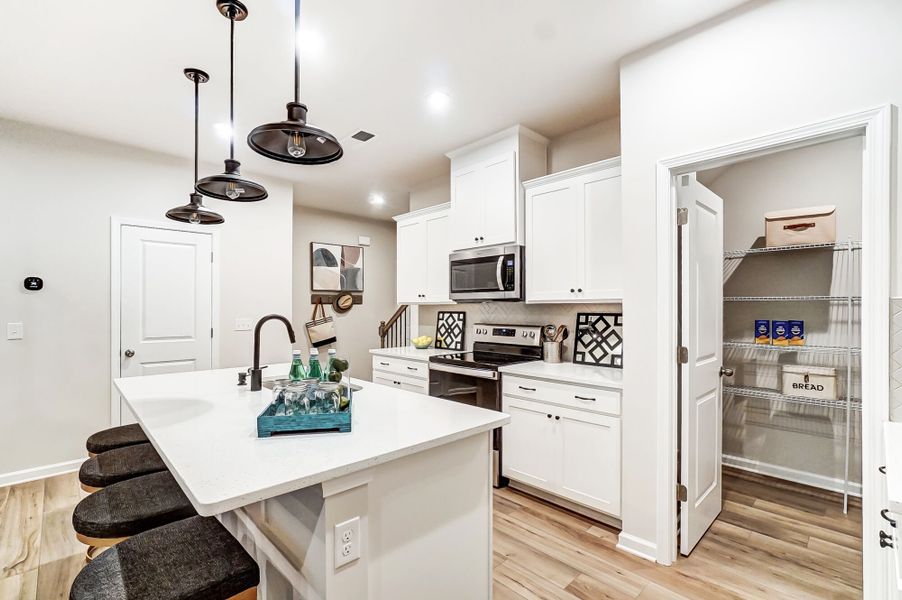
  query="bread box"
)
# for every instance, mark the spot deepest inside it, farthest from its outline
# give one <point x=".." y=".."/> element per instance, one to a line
<point x="809" y="382"/>
<point x="811" y="225"/>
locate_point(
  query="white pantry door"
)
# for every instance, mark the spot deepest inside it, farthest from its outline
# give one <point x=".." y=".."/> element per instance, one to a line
<point x="166" y="302"/>
<point x="702" y="334"/>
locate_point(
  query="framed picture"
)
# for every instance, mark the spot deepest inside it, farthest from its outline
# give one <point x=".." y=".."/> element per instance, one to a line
<point x="450" y="327"/>
<point x="336" y="268"/>
<point x="599" y="340"/>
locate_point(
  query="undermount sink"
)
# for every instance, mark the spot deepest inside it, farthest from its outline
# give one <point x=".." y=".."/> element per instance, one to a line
<point x="269" y="383"/>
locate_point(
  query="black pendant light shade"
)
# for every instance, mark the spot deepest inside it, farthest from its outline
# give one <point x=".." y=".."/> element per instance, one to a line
<point x="194" y="212"/>
<point x="292" y="140"/>
<point x="230" y="185"/>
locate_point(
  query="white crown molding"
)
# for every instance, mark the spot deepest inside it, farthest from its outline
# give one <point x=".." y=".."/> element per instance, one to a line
<point x="601" y="165"/>
<point x="516" y="130"/>
<point x="429" y="210"/>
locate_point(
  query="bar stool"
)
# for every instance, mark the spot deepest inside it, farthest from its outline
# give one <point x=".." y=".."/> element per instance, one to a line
<point x="118" y="465"/>
<point x="195" y="559"/>
<point x="115" y="437"/>
<point x="128" y="508"/>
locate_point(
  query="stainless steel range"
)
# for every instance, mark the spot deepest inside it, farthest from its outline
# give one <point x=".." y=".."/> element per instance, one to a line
<point x="473" y="377"/>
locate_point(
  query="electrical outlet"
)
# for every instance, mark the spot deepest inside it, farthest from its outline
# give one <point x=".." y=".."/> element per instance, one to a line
<point x="347" y="542"/>
<point x="243" y="324"/>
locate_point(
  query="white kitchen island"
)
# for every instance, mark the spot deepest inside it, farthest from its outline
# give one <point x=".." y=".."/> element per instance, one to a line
<point x="415" y="470"/>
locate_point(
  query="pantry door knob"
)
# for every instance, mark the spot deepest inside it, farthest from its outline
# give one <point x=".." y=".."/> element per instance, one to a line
<point x="726" y="372"/>
<point x="129" y="353"/>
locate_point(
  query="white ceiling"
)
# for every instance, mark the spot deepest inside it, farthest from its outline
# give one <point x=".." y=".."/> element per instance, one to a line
<point x="112" y="70"/>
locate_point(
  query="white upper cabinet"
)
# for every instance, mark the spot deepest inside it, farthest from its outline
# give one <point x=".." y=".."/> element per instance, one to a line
<point x="423" y="249"/>
<point x="486" y="190"/>
<point x="574" y="235"/>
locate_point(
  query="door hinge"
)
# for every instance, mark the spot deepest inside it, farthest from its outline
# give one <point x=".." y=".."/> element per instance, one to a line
<point x="682" y="216"/>
<point x="211" y="332"/>
<point x="682" y="493"/>
<point x="211" y="257"/>
<point x="682" y="355"/>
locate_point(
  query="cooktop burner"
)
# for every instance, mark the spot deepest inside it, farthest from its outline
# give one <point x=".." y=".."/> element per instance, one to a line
<point x="483" y="359"/>
<point x="496" y="346"/>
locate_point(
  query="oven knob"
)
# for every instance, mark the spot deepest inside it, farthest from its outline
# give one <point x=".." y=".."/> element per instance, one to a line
<point x="532" y="334"/>
<point x="524" y="334"/>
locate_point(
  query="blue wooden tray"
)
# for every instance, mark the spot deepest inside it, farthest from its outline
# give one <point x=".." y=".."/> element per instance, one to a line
<point x="268" y="424"/>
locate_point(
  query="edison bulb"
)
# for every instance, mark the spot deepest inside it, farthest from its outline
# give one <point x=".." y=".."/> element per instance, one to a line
<point x="194" y="219"/>
<point x="297" y="146"/>
<point x="233" y="191"/>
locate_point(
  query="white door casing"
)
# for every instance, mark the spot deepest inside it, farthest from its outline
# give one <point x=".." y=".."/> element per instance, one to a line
<point x="702" y="326"/>
<point x="165" y="303"/>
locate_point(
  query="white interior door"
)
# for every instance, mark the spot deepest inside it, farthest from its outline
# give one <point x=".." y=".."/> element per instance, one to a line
<point x="702" y="334"/>
<point x="165" y="302"/>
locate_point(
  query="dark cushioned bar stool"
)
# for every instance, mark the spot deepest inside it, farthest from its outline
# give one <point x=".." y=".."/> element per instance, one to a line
<point x="192" y="559"/>
<point x="128" y="508"/>
<point x="118" y="465"/>
<point x="115" y="437"/>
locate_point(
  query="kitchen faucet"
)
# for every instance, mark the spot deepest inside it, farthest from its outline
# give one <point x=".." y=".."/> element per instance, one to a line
<point x="256" y="371"/>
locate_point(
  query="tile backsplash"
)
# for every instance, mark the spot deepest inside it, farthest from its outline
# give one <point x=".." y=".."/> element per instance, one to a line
<point x="514" y="313"/>
<point x="895" y="360"/>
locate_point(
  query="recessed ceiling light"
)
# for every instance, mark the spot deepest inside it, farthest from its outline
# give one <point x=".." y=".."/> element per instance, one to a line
<point x="438" y="101"/>
<point x="377" y="199"/>
<point x="223" y="130"/>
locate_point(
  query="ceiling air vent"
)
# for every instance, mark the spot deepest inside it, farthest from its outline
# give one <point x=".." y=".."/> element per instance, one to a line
<point x="363" y="136"/>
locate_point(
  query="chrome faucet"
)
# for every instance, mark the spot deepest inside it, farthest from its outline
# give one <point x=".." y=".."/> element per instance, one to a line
<point x="256" y="371"/>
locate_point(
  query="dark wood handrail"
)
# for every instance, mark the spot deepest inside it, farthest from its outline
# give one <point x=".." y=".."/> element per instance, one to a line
<point x="385" y="326"/>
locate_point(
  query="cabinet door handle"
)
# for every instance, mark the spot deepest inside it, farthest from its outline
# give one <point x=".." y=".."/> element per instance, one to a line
<point x="476" y="239"/>
<point x="572" y="290"/>
<point x="527" y="389"/>
<point x="580" y="290"/>
<point x="557" y="418"/>
<point x="882" y="469"/>
<point x="584" y="398"/>
<point x="886" y="540"/>
<point x="549" y="416"/>
<point x="885" y="514"/>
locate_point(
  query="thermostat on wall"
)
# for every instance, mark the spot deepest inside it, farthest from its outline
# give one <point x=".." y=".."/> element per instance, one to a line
<point x="33" y="283"/>
<point x="363" y="240"/>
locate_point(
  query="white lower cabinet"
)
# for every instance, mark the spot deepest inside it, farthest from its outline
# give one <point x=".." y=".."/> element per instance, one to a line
<point x="409" y="375"/>
<point x="571" y="453"/>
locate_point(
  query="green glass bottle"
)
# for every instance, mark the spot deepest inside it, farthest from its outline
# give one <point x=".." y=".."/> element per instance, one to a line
<point x="296" y="373"/>
<point x="314" y="370"/>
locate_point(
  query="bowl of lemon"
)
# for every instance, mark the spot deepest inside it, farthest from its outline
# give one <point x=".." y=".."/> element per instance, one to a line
<point x="422" y="342"/>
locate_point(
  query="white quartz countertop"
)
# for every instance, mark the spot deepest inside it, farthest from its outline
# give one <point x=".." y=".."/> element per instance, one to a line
<point x="892" y="438"/>
<point x="568" y="373"/>
<point x="204" y="427"/>
<point x="411" y="353"/>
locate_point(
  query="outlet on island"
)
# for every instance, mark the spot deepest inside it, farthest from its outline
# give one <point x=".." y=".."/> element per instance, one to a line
<point x="347" y="542"/>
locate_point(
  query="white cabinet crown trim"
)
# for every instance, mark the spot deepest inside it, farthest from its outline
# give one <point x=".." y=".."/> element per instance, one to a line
<point x="422" y="212"/>
<point x="516" y="130"/>
<point x="600" y="165"/>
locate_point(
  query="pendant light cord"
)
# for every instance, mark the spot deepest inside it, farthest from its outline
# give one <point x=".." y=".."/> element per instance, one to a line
<point x="196" y="113"/>
<point x="297" y="51"/>
<point x="232" y="85"/>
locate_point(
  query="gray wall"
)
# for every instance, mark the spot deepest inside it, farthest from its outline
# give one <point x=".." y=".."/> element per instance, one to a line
<point x="802" y="438"/>
<point x="60" y="191"/>
<point x="357" y="329"/>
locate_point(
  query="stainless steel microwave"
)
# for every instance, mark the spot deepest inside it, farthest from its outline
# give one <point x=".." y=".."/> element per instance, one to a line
<point x="490" y="273"/>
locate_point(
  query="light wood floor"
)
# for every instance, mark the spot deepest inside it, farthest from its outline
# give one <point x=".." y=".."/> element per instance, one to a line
<point x="768" y="543"/>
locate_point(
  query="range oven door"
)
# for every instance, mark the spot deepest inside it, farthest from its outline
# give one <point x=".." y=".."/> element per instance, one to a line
<point x="494" y="273"/>
<point x="475" y="387"/>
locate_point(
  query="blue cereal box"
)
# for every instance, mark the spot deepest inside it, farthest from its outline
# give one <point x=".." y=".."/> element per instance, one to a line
<point x="779" y="333"/>
<point x="796" y="333"/>
<point x="762" y="332"/>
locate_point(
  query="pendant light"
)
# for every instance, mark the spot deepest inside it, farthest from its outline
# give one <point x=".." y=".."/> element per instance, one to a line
<point x="194" y="212"/>
<point x="293" y="140"/>
<point x="230" y="185"/>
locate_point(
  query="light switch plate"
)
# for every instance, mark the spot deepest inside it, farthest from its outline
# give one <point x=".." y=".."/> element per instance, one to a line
<point x="347" y="542"/>
<point x="15" y="331"/>
<point x="243" y="324"/>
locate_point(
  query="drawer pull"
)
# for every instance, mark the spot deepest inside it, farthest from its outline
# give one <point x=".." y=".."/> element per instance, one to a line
<point x="882" y="469"/>
<point x="886" y="540"/>
<point x="584" y="398"/>
<point x="885" y="514"/>
<point x="412" y="369"/>
<point x="526" y="388"/>
<point x="384" y="364"/>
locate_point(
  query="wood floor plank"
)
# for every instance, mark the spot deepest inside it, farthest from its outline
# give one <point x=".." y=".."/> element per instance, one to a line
<point x="538" y="562"/>
<point x="588" y="588"/>
<point x="62" y="492"/>
<point x="529" y="584"/>
<point x="56" y="577"/>
<point x="21" y="586"/>
<point x="21" y="509"/>
<point x="58" y="539"/>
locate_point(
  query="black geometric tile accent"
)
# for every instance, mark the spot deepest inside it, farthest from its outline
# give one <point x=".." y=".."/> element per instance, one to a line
<point x="599" y="340"/>
<point x="449" y="329"/>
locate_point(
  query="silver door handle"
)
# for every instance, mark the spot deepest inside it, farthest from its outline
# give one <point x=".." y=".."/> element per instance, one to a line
<point x="498" y="273"/>
<point x="129" y="353"/>
<point x="726" y="372"/>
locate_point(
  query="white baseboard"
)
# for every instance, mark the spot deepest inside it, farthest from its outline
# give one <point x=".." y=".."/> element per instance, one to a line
<point x="45" y="471"/>
<point x="804" y="477"/>
<point x="637" y="546"/>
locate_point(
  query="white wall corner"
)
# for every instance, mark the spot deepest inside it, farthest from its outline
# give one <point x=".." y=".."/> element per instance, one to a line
<point x="637" y="546"/>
